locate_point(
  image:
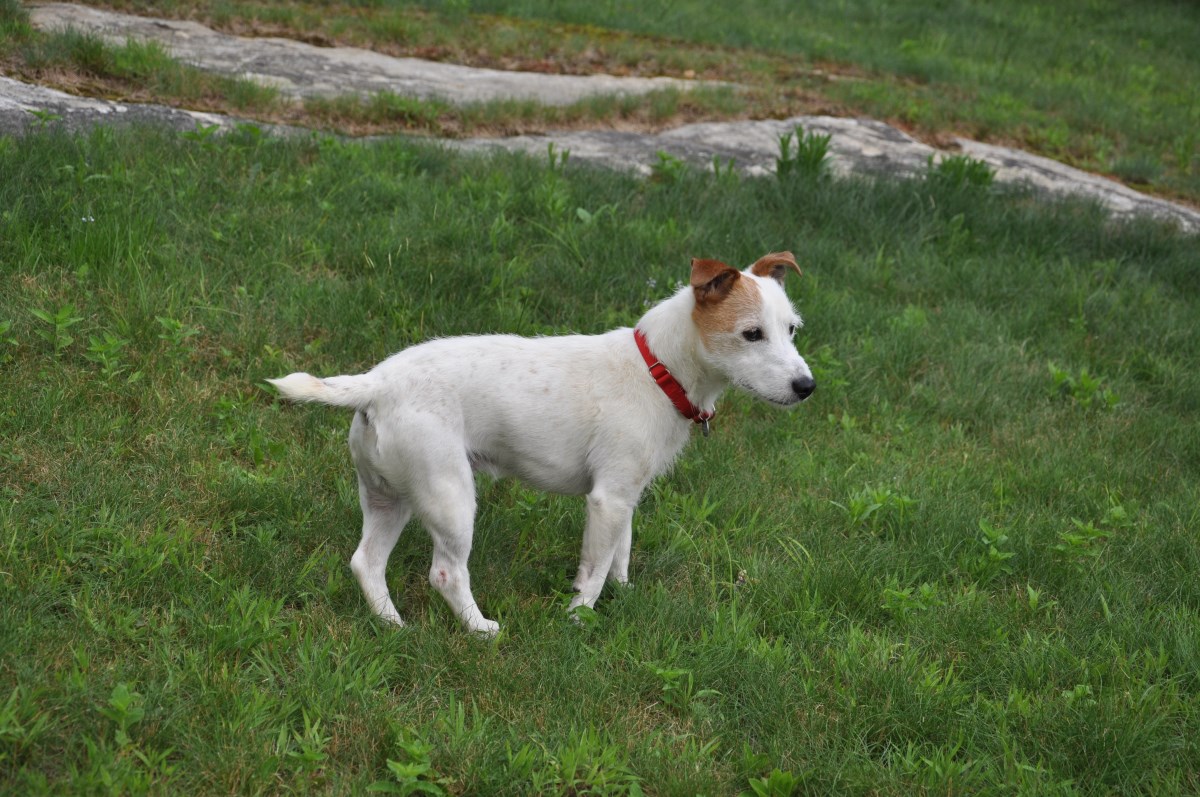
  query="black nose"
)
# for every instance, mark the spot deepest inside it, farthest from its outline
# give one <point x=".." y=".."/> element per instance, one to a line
<point x="804" y="386"/>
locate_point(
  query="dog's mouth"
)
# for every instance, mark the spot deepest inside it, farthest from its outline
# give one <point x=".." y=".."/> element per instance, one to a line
<point x="789" y="401"/>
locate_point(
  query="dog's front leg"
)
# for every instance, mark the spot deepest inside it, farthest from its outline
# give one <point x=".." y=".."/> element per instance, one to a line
<point x="618" y="572"/>
<point x="609" y="527"/>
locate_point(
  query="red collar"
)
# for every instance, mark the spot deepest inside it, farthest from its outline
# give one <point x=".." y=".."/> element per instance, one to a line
<point x="671" y="386"/>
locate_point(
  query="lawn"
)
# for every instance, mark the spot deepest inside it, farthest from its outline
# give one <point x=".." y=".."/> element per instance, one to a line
<point x="966" y="565"/>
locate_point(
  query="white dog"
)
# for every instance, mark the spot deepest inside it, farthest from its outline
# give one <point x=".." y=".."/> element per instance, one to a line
<point x="599" y="415"/>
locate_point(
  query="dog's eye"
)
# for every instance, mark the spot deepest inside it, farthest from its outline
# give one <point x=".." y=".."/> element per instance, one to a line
<point x="752" y="334"/>
<point x="792" y="330"/>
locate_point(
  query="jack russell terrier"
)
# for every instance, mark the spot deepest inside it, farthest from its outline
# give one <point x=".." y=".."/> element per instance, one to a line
<point x="596" y="415"/>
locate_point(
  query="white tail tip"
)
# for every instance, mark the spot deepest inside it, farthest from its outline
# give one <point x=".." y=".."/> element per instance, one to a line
<point x="300" y="387"/>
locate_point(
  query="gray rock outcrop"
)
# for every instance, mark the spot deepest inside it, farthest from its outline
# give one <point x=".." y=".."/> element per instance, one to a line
<point x="856" y="146"/>
<point x="300" y="70"/>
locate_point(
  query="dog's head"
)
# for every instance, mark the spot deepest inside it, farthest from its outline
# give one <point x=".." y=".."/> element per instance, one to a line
<point x="747" y="325"/>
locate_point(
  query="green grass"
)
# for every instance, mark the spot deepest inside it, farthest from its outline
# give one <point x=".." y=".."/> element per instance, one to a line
<point x="967" y="565"/>
<point x="386" y="112"/>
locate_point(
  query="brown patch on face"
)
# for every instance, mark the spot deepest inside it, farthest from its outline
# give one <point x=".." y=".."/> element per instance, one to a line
<point x="775" y="266"/>
<point x="724" y="312"/>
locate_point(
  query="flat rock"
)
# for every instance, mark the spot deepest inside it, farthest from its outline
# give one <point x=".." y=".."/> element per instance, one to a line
<point x="1050" y="176"/>
<point x="856" y="146"/>
<point x="301" y="70"/>
<point x="25" y="107"/>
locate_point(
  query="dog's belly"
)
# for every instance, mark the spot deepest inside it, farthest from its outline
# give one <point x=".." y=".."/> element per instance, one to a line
<point x="551" y="468"/>
<point x="555" y="476"/>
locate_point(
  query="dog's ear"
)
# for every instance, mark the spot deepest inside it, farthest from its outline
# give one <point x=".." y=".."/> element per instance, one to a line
<point x="775" y="266"/>
<point x="712" y="280"/>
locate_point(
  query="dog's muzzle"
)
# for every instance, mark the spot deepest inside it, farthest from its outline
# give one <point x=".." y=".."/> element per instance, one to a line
<point x="804" y="387"/>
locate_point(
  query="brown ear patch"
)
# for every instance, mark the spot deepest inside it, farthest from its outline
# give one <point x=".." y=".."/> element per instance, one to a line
<point x="775" y="265"/>
<point x="738" y="305"/>
<point x="712" y="280"/>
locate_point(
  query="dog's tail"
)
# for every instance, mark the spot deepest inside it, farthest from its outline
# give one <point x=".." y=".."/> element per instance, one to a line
<point x="355" y="392"/>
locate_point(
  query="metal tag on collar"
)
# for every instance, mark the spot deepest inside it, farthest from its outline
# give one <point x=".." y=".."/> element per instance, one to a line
<point x="704" y="426"/>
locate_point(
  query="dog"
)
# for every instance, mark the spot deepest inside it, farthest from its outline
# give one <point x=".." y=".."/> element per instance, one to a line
<point x="595" y="415"/>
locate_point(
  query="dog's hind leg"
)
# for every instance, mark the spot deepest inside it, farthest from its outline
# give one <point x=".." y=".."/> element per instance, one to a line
<point x="447" y="508"/>
<point x="384" y="517"/>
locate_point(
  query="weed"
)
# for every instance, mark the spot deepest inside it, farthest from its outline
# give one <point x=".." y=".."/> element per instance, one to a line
<point x="1083" y="388"/>
<point x="306" y="747"/>
<point x="1079" y="695"/>
<point x="958" y="172"/>
<point x="106" y="351"/>
<point x="176" y="333"/>
<point x="1081" y="543"/>
<point x="59" y="321"/>
<point x="124" y="708"/>
<point x="776" y="784"/>
<point x="726" y="172"/>
<point x="877" y="508"/>
<point x="557" y="158"/>
<point x="905" y="601"/>
<point x="583" y="616"/>
<point x="992" y="562"/>
<point x="587" y="764"/>
<point x="679" y="688"/>
<point x="44" y="118"/>
<point x="1034" y="602"/>
<point x="668" y="169"/>
<point x="827" y="369"/>
<point x="809" y="161"/>
<point x="202" y="134"/>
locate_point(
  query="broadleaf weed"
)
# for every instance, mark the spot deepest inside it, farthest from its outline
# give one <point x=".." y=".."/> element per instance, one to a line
<point x="877" y="508"/>
<point x="679" y="688"/>
<point x="60" y="321"/>
<point x="176" y="333"/>
<point x="307" y="750"/>
<point x="1083" y="388"/>
<point x="903" y="602"/>
<point x="1081" y="543"/>
<point x="779" y="783"/>
<point x="992" y="561"/>
<point x="106" y="351"/>
<point x="124" y="707"/>
<point x="669" y="169"/>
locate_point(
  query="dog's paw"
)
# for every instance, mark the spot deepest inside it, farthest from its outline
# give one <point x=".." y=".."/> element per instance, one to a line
<point x="392" y="619"/>
<point x="487" y="629"/>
